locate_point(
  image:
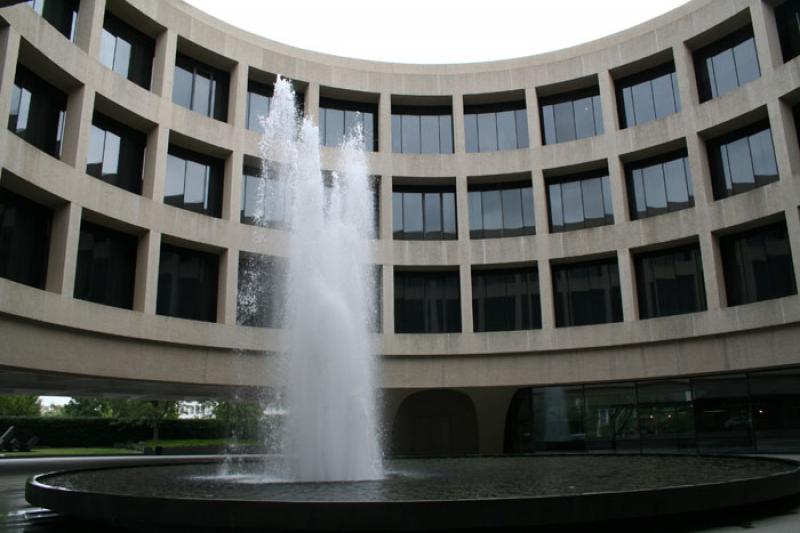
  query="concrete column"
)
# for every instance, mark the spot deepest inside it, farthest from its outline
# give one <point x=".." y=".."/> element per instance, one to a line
<point x="491" y="406"/>
<point x="459" y="141"/>
<point x="90" y="26"/>
<point x="540" y="201"/>
<point x="768" y="43"/>
<point x="465" y="259"/>
<point x="532" y="112"/>
<point x="228" y="286"/>
<point x="164" y="63"/>
<point x="388" y="299"/>
<point x="386" y="225"/>
<point x="237" y="103"/>
<point x="784" y="134"/>
<point x="62" y="259"/>
<point x="701" y="173"/>
<point x="609" y="103"/>
<point x="465" y="289"/>
<point x="232" y="186"/>
<point x="713" y="272"/>
<point x="155" y="164"/>
<point x="619" y="193"/>
<point x="77" y="129"/>
<point x="385" y="123"/>
<point x="9" y="50"/>
<point x="145" y="291"/>
<point x="684" y="71"/>
<point x="792" y="215"/>
<point x="311" y="103"/>
<point x="546" y="294"/>
<point x="627" y="284"/>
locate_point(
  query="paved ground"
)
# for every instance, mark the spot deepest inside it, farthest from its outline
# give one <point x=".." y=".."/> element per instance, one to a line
<point x="17" y="516"/>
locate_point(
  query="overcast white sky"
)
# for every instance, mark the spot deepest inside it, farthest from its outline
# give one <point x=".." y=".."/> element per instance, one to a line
<point x="434" y="31"/>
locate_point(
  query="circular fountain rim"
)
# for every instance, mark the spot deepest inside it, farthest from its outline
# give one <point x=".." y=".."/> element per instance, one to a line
<point x="473" y="513"/>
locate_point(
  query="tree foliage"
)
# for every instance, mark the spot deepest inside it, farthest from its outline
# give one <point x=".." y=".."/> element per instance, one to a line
<point x="20" y="405"/>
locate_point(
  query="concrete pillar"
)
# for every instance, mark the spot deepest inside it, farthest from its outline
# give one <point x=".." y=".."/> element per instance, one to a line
<point x="385" y="123"/>
<point x="155" y="164"/>
<point x="619" y="193"/>
<point x="388" y="299"/>
<point x="684" y="71"/>
<point x="311" y="104"/>
<point x="90" y="26"/>
<point x="164" y="63"/>
<point x="77" y="128"/>
<point x="701" y="173"/>
<point x="145" y="291"/>
<point x="465" y="289"/>
<point x="459" y="141"/>
<point x="712" y="272"/>
<point x="232" y="186"/>
<point x="386" y="225"/>
<point x="9" y="50"/>
<point x="532" y="112"/>
<point x="540" y="201"/>
<point x="609" y="103"/>
<point x="237" y="102"/>
<point x="228" y="286"/>
<point x="784" y="139"/>
<point x="491" y="407"/>
<point x="62" y="259"/>
<point x="765" y="31"/>
<point x="546" y="294"/>
<point x="465" y="259"/>
<point x="627" y="284"/>
<point x="792" y="215"/>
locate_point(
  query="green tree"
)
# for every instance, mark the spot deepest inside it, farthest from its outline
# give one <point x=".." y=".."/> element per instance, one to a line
<point x="87" y="408"/>
<point x="241" y="418"/>
<point x="151" y="412"/>
<point x="20" y="405"/>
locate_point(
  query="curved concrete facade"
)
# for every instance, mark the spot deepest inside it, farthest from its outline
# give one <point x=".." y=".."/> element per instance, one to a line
<point x="55" y="343"/>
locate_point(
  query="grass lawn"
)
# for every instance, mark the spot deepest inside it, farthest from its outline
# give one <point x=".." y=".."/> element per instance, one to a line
<point x="45" y="452"/>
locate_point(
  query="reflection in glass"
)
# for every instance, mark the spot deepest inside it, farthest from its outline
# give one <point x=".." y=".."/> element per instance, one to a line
<point x="742" y="160"/>
<point x="423" y="213"/>
<point x="493" y="127"/>
<point x="580" y="202"/>
<point x="670" y="282"/>
<point x="570" y="116"/>
<point x="659" y="185"/>
<point x="726" y="64"/>
<point x="426" y="301"/>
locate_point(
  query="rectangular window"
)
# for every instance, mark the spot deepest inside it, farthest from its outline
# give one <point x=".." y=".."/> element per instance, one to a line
<point x="262" y="280"/>
<point x="187" y="283"/>
<point x="506" y="300"/>
<point x="558" y="419"/>
<point x="578" y="202"/>
<point x="38" y="111"/>
<point x="106" y="268"/>
<point x="62" y="14"/>
<point x="742" y="160"/>
<point x="424" y="213"/>
<point x="201" y="88"/>
<point x="338" y="117"/>
<point x="666" y="416"/>
<point x="775" y="404"/>
<point x="587" y="293"/>
<point x="493" y="127"/>
<point x="787" y="18"/>
<point x="127" y="51"/>
<point x="501" y="211"/>
<point x="422" y="130"/>
<point x="611" y="417"/>
<point x="722" y="414"/>
<point x="263" y="198"/>
<point x="426" y="302"/>
<point x="647" y="96"/>
<point x="570" y="116"/>
<point x="116" y="154"/>
<point x="659" y="185"/>
<point x="194" y="182"/>
<point x="670" y="282"/>
<point x="24" y="239"/>
<point x="758" y="264"/>
<point x="726" y="64"/>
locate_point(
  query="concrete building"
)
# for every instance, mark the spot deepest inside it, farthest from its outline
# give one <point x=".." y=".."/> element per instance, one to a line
<point x="589" y="249"/>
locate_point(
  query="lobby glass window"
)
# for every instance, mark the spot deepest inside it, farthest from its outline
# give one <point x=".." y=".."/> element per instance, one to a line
<point x="742" y="160"/>
<point x="775" y="404"/>
<point x="726" y="64"/>
<point x="722" y="413"/>
<point x="670" y="282"/>
<point x="648" y="96"/>
<point x="337" y="118"/>
<point x="611" y="422"/>
<point x="106" y="267"/>
<point x="558" y="419"/>
<point x="787" y="17"/>
<point x="422" y="130"/>
<point x="501" y="211"/>
<point x="201" y="88"/>
<point x="666" y="416"/>
<point x="575" y="115"/>
<point x="506" y="300"/>
<point x="758" y="264"/>
<point x="187" y="283"/>
<point x="659" y="185"/>
<point x="424" y="213"/>
<point x="489" y="128"/>
<point x="62" y="14"/>
<point x="116" y="154"/>
<point x="127" y="51"/>
<point x="38" y="111"/>
<point x="262" y="279"/>
<point x="426" y="302"/>
<point x="587" y="293"/>
<point x="24" y="239"/>
<point x="263" y="199"/>
<point x="194" y="182"/>
<point x="578" y="202"/>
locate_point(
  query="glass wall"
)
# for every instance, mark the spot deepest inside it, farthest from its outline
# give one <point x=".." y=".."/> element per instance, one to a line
<point x="194" y="182"/>
<point x="757" y="264"/>
<point x="201" y="88"/>
<point x="259" y="101"/>
<point x="337" y="118"/>
<point x="187" y="283"/>
<point x="611" y="419"/>
<point x="106" y="268"/>
<point x="578" y="202"/>
<point x="426" y="301"/>
<point x="501" y="210"/>
<point x="647" y="96"/>
<point x="261" y="285"/>
<point x="666" y="417"/>
<point x="558" y="419"/>
<point x="570" y="116"/>
<point x="63" y="14"/>
<point x="726" y="64"/>
<point x="489" y="128"/>
<point x="116" y="154"/>
<point x="670" y="282"/>
<point x="24" y="239"/>
<point x="659" y="185"/>
<point x="787" y="17"/>
<point x="506" y="299"/>
<point x="424" y="213"/>
<point x="587" y="293"/>
<point x="422" y="130"/>
<point x="775" y="401"/>
<point x="742" y="160"/>
<point x="38" y="111"/>
<point x="722" y="413"/>
<point x="127" y="51"/>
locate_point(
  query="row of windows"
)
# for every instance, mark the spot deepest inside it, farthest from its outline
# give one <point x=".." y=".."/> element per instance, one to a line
<point x="757" y="266"/>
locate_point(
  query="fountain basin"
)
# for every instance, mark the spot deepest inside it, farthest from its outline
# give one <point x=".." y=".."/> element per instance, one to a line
<point x="472" y="493"/>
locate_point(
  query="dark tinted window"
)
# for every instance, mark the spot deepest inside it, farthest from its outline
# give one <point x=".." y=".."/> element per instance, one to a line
<point x="187" y="284"/>
<point x="263" y="199"/>
<point x="787" y="17"/>
<point x="648" y="96"/>
<point x="742" y="160"/>
<point x="63" y="14"/>
<point x="106" y="267"/>
<point x="726" y="64"/>
<point x="426" y="302"/>
<point x="24" y="239"/>
<point x="338" y="117"/>
<point x="424" y="213"/>
<point x="501" y="211"/>
<point x="666" y="416"/>
<point x="201" y="88"/>
<point x="38" y="111"/>
<point x="575" y="115"/>
<point x="505" y="300"/>
<point x="758" y="264"/>
<point x="126" y="51"/>
<point x="670" y="282"/>
<point x="116" y="154"/>
<point x="587" y="293"/>
<point x="425" y="130"/>
<point x="489" y="128"/>
<point x="722" y="413"/>
<point x="775" y="403"/>
<point x="194" y="182"/>
<point x="580" y="202"/>
<point x="659" y="185"/>
<point x="262" y="279"/>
